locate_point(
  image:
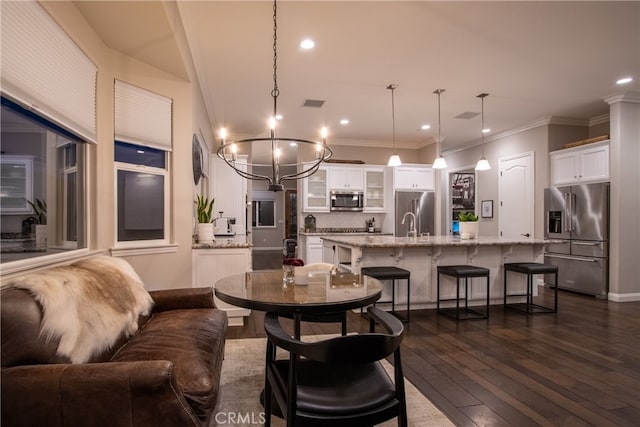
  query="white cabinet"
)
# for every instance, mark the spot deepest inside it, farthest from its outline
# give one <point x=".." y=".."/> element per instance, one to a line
<point x="316" y="191"/>
<point x="413" y="177"/>
<point x="346" y="178"/>
<point x="230" y="191"/>
<point x="313" y="250"/>
<point x="209" y="265"/>
<point x="16" y="184"/>
<point x="374" y="192"/>
<point x="580" y="164"/>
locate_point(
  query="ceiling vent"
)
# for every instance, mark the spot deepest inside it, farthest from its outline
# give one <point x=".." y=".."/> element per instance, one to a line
<point x="313" y="103"/>
<point x="467" y="115"/>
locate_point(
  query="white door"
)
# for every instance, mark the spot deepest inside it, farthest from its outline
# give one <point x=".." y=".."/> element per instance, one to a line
<point x="516" y="187"/>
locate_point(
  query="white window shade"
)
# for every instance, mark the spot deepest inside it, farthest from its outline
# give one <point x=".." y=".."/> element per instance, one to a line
<point x="142" y="117"/>
<point x="45" y="71"/>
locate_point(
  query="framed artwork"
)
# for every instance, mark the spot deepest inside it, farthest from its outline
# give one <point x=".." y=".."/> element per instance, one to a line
<point x="487" y="209"/>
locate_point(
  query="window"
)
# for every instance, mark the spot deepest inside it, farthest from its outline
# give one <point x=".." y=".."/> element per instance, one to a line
<point x="43" y="164"/>
<point x="264" y="213"/>
<point x="143" y="133"/>
<point x="263" y="209"/>
<point x="142" y="199"/>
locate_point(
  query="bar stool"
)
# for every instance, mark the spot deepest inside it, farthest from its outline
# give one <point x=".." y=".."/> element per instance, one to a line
<point x="463" y="272"/>
<point x="530" y="269"/>
<point x="393" y="274"/>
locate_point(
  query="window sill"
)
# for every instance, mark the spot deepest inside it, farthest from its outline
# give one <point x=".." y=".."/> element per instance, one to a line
<point x="22" y="266"/>
<point x="144" y="250"/>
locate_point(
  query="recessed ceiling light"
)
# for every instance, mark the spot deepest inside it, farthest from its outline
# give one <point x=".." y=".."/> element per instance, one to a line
<point x="624" y="81"/>
<point x="425" y="127"/>
<point x="486" y="130"/>
<point x="278" y="116"/>
<point x="344" y="121"/>
<point x="292" y="144"/>
<point x="307" y="44"/>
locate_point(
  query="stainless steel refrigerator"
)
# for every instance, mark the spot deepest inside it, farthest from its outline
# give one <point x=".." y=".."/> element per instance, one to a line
<point x="579" y="216"/>
<point x="422" y="205"/>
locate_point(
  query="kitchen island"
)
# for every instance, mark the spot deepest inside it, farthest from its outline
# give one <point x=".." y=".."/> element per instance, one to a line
<point x="422" y="255"/>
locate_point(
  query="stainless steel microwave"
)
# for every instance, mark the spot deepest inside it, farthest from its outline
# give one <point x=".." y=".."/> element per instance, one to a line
<point x="352" y="201"/>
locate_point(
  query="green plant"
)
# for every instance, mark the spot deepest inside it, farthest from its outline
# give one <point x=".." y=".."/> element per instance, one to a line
<point x="204" y="207"/>
<point x="467" y="217"/>
<point x="40" y="210"/>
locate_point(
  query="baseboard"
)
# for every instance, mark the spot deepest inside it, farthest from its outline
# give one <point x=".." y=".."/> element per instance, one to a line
<point x="628" y="297"/>
<point x="267" y="248"/>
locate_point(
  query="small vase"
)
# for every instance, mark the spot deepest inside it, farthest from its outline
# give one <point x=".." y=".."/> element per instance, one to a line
<point x="288" y="275"/>
<point x="205" y="233"/>
<point x="469" y="229"/>
<point x="41" y="236"/>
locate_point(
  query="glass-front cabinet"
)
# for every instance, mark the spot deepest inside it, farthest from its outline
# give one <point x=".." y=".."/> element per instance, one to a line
<point x="374" y="195"/>
<point x="316" y="192"/>
<point x="16" y="184"/>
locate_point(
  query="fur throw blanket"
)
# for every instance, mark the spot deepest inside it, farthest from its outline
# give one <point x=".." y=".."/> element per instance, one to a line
<point x="88" y="305"/>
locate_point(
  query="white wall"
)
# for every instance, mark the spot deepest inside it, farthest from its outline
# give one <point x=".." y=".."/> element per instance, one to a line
<point x="158" y="270"/>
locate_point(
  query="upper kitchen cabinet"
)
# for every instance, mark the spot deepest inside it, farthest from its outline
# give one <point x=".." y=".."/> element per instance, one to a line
<point x="582" y="164"/>
<point x="230" y="191"/>
<point x="346" y="178"/>
<point x="316" y="191"/>
<point x="413" y="177"/>
<point x="374" y="192"/>
<point x="16" y="184"/>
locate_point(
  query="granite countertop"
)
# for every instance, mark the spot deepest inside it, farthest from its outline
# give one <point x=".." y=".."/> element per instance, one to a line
<point x="342" y="232"/>
<point x="224" y="243"/>
<point x="404" y="242"/>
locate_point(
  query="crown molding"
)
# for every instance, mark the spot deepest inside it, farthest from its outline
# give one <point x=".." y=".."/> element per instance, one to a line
<point x="630" y="96"/>
<point x="604" y="118"/>
<point x="544" y="121"/>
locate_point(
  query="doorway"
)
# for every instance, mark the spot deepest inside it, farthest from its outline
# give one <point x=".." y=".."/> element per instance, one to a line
<point x="462" y="196"/>
<point x="516" y="193"/>
<point x="291" y="214"/>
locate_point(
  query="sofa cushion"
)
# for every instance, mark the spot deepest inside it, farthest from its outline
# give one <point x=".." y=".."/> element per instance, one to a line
<point x="191" y="339"/>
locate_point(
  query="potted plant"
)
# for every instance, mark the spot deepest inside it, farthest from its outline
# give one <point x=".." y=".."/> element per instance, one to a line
<point x="39" y="207"/>
<point x="204" y="209"/>
<point x="468" y="225"/>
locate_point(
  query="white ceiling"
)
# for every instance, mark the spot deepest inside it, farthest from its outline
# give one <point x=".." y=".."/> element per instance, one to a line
<point x="535" y="59"/>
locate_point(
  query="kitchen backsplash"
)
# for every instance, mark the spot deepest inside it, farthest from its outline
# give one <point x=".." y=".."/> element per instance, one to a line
<point x="346" y="219"/>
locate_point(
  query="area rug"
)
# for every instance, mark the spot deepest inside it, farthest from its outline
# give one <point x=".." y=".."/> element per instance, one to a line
<point x="243" y="379"/>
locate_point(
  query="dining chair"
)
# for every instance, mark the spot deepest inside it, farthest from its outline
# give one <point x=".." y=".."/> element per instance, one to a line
<point x="338" y="381"/>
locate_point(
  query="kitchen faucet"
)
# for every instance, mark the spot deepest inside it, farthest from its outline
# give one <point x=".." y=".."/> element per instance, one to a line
<point x="412" y="229"/>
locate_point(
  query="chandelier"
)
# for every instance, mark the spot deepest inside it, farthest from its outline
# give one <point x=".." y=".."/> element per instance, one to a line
<point x="279" y="168"/>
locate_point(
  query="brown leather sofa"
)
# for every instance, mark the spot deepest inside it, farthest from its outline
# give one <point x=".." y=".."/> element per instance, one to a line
<point x="166" y="374"/>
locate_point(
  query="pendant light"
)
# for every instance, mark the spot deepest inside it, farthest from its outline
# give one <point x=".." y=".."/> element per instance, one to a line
<point x="394" y="160"/>
<point x="483" y="163"/>
<point x="439" y="162"/>
<point x="228" y="150"/>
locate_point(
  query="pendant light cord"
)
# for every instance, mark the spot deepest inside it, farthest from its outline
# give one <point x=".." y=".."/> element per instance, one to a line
<point x="275" y="92"/>
<point x="393" y="119"/>
<point x="482" y="96"/>
<point x="482" y="127"/>
<point x="439" y="91"/>
<point x="393" y="87"/>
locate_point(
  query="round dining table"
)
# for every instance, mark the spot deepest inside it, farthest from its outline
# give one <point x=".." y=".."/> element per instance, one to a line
<point x="326" y="292"/>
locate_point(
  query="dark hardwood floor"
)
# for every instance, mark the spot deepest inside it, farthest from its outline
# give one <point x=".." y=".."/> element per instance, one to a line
<point x="578" y="367"/>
